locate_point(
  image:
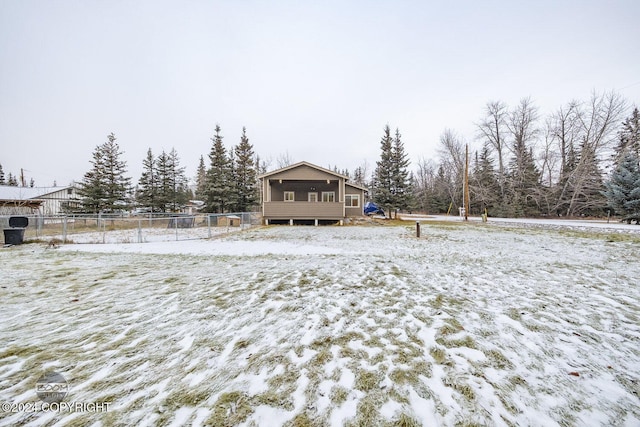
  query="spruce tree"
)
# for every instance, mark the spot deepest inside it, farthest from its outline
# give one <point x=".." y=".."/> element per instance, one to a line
<point x="232" y="199"/>
<point x="92" y="189"/>
<point x="358" y="176"/>
<point x="12" y="180"/>
<point x="165" y="188"/>
<point x="117" y="186"/>
<point x="588" y="185"/>
<point x="218" y="176"/>
<point x="245" y="175"/>
<point x="105" y="186"/>
<point x="483" y="185"/>
<point x="148" y="184"/>
<point x="524" y="176"/>
<point x="524" y="185"/>
<point x="564" y="189"/>
<point x="179" y="191"/>
<point x="383" y="179"/>
<point x="201" y="180"/>
<point x="402" y="189"/>
<point x="623" y="188"/>
<point x="629" y="136"/>
<point x="2" y="181"/>
<point x="440" y="197"/>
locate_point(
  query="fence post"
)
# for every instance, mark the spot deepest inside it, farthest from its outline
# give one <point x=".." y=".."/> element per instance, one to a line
<point x="209" y="225"/>
<point x="175" y="224"/>
<point x="139" y="230"/>
<point x="64" y="229"/>
<point x="417" y="228"/>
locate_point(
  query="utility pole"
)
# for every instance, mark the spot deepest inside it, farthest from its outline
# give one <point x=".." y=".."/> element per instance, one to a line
<point x="22" y="181"/>
<point x="467" y="201"/>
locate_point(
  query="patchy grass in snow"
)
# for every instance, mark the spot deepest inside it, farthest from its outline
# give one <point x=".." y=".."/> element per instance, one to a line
<point x="468" y="325"/>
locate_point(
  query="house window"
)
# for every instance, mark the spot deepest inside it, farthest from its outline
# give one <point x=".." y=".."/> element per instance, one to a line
<point x="289" y="196"/>
<point x="313" y="197"/>
<point x="352" y="200"/>
<point x="328" y="196"/>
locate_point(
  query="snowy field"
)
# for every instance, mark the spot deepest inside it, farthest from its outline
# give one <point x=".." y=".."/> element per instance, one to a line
<point x="471" y="324"/>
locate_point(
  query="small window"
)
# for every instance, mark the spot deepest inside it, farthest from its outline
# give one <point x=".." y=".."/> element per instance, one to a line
<point x="313" y="197"/>
<point x="352" y="200"/>
<point x="289" y="196"/>
<point x="328" y="196"/>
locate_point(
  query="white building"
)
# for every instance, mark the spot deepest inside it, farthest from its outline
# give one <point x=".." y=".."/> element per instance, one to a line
<point x="44" y="201"/>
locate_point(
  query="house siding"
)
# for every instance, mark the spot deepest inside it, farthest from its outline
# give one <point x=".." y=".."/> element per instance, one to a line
<point x="302" y="179"/>
<point x="303" y="210"/>
<point x="301" y="189"/>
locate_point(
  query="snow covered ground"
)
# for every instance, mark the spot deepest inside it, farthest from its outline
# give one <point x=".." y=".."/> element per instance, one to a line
<point x="471" y="324"/>
<point x="556" y="223"/>
<point x="144" y="235"/>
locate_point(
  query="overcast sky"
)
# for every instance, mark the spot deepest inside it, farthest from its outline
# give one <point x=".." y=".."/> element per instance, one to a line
<point x="317" y="80"/>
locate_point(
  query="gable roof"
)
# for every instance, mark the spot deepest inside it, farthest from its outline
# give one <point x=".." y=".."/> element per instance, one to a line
<point x="359" y="187"/>
<point x="10" y="192"/>
<point x="297" y="165"/>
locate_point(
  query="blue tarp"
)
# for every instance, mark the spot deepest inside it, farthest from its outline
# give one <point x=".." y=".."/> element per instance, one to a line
<point x="371" y="208"/>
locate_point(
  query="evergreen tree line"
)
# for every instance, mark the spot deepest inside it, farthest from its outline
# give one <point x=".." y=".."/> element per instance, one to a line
<point x="533" y="167"/>
<point x="228" y="184"/>
<point x="12" y="180"/>
<point x="527" y="166"/>
<point x="391" y="185"/>
<point x="163" y="185"/>
<point x="105" y="187"/>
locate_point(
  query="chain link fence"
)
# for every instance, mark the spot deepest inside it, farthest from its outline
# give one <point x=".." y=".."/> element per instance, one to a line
<point x="133" y="229"/>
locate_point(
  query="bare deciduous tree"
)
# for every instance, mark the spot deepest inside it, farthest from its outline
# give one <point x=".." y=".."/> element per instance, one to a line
<point x="492" y="130"/>
<point x="598" y="122"/>
<point x="424" y="181"/>
<point x="452" y="160"/>
<point x="283" y="160"/>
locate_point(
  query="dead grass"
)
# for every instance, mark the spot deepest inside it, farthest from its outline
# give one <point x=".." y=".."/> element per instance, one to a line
<point x="367" y="380"/>
<point x="276" y="400"/>
<point x="367" y="411"/>
<point x="439" y="355"/>
<point x="301" y="420"/>
<point x="339" y="395"/>
<point x="185" y="397"/>
<point x="230" y="409"/>
<point x="498" y="360"/>
<point x="383" y="332"/>
<point x="461" y="387"/>
<point x="404" y="420"/>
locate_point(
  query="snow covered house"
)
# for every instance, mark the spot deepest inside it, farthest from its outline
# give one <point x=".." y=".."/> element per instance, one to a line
<point x="304" y="193"/>
<point x="45" y="201"/>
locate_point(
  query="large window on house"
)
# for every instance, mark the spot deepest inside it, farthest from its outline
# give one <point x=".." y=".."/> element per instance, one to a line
<point x="328" y="196"/>
<point x="352" y="200"/>
<point x="289" y="196"/>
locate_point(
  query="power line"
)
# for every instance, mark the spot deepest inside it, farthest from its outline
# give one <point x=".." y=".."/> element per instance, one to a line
<point x="631" y="85"/>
